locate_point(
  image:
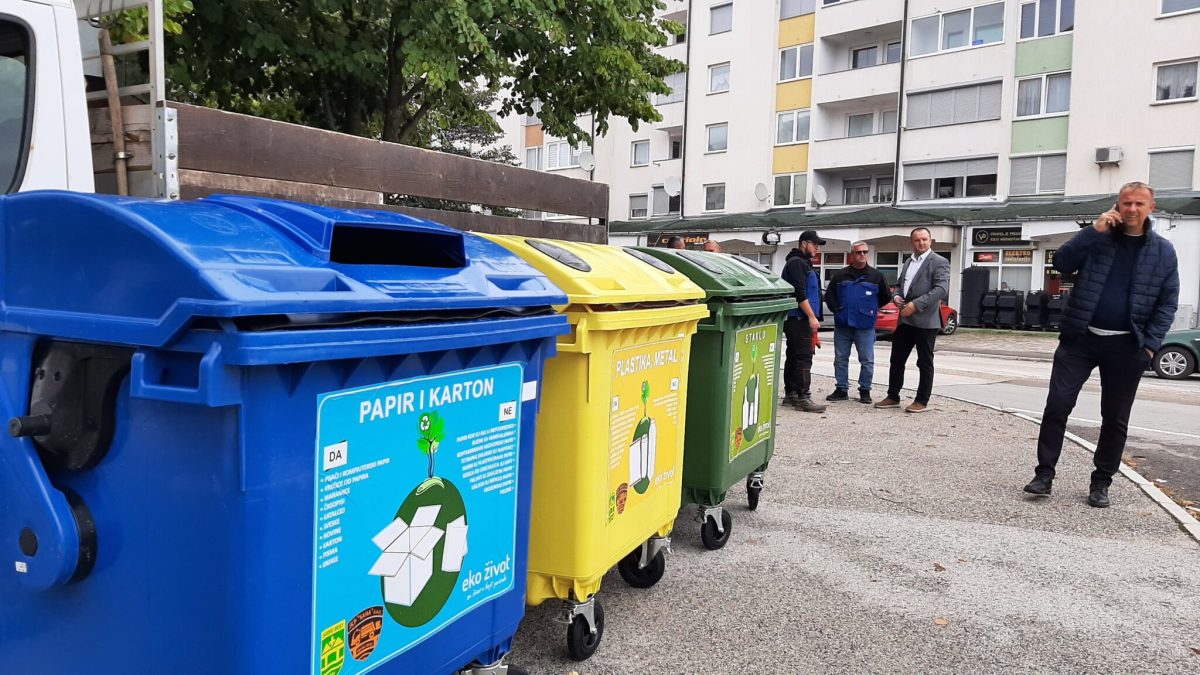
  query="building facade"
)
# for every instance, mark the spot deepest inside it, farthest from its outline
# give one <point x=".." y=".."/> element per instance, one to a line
<point x="983" y="120"/>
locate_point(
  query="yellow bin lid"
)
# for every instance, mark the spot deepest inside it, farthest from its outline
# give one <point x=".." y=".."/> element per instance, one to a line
<point x="599" y="274"/>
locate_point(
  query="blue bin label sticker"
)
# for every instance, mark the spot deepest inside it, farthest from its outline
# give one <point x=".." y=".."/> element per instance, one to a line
<point x="415" y="511"/>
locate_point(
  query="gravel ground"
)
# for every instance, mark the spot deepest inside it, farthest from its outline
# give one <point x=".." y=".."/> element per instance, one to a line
<point x="893" y="543"/>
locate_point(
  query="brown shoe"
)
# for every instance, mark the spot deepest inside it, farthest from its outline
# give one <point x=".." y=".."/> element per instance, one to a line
<point x="916" y="408"/>
<point x="888" y="402"/>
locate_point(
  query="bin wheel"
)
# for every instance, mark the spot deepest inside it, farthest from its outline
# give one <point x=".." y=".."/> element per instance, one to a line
<point x="714" y="540"/>
<point x="752" y="494"/>
<point x="646" y="576"/>
<point x="516" y="670"/>
<point x="581" y="643"/>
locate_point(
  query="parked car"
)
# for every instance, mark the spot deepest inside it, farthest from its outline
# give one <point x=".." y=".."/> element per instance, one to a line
<point x="885" y="323"/>
<point x="1177" y="357"/>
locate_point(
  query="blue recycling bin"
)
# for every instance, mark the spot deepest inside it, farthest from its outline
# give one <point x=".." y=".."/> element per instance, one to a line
<point x="253" y="436"/>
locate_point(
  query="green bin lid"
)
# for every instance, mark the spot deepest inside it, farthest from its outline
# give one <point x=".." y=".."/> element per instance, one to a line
<point x="722" y="275"/>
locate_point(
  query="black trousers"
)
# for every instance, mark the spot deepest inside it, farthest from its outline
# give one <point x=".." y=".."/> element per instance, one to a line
<point x="797" y="365"/>
<point x="903" y="340"/>
<point x="1121" y="364"/>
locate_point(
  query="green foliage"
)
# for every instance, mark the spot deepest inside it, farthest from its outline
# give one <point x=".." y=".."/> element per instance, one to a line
<point x="645" y="391"/>
<point x="133" y="25"/>
<point x="398" y="69"/>
<point x="432" y="429"/>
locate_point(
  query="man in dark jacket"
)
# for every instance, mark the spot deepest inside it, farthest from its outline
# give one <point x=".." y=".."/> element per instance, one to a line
<point x="855" y="294"/>
<point x="1120" y="309"/>
<point x="802" y="323"/>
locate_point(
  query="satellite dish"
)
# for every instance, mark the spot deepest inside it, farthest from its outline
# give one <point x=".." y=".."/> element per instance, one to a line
<point x="587" y="161"/>
<point x="760" y="192"/>
<point x="672" y="186"/>
<point x="819" y="195"/>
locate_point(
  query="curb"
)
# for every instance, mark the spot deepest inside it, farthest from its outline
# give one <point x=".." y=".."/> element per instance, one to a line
<point x="1018" y="356"/>
<point x="1185" y="520"/>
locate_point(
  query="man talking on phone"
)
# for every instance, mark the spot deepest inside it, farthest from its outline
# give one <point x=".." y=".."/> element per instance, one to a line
<point x="1119" y="311"/>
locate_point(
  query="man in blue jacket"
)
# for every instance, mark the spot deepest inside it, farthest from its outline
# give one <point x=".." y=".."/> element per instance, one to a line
<point x="855" y="294"/>
<point x="1122" y="306"/>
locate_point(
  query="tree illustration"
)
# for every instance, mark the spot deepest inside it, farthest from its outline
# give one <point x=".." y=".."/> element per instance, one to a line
<point x="432" y="429"/>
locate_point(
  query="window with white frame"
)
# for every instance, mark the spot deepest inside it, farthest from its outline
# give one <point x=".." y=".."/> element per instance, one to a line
<point x="883" y="189"/>
<point x="533" y="158"/>
<point x="1172" y="169"/>
<point x="677" y="83"/>
<point x="638" y="205"/>
<point x="1174" y="6"/>
<point x="795" y="62"/>
<point x="976" y="26"/>
<point x="662" y="203"/>
<point x="1044" y="95"/>
<point x="950" y="179"/>
<point x="1041" y="18"/>
<point x="791" y="189"/>
<point x="887" y="122"/>
<point x="718" y="78"/>
<point x="532" y="118"/>
<point x="958" y="105"/>
<point x="791" y="126"/>
<point x="856" y="191"/>
<point x="714" y="197"/>
<point x="1038" y="175"/>
<point x="560" y="155"/>
<point x="893" y="52"/>
<point x="790" y="8"/>
<point x="862" y="124"/>
<point x="718" y="137"/>
<point x="639" y="153"/>
<point x="720" y="19"/>
<point x="1176" y="81"/>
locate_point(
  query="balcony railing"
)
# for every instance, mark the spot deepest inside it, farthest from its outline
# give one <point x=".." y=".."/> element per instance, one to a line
<point x="851" y="151"/>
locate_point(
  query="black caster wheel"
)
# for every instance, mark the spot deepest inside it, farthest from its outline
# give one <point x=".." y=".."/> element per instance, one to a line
<point x="517" y="670"/>
<point x="714" y="540"/>
<point x="644" y="577"/>
<point x="752" y="494"/>
<point x="581" y="642"/>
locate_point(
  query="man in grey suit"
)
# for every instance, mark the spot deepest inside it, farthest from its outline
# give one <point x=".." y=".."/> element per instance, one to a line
<point x="924" y="283"/>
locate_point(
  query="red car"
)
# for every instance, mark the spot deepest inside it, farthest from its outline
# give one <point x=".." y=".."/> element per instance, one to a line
<point x="885" y="323"/>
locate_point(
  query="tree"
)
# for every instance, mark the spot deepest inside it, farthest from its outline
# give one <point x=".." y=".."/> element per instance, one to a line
<point x="381" y="67"/>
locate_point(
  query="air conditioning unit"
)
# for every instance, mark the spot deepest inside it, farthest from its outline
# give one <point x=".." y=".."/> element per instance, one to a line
<point x="1111" y="155"/>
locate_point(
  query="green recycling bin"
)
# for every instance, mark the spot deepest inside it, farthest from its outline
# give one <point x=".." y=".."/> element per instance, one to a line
<point x="736" y="354"/>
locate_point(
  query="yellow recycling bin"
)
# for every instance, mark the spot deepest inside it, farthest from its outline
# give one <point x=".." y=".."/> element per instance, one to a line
<point x="608" y="463"/>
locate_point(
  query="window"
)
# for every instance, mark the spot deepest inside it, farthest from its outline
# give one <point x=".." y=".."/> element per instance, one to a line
<point x="977" y="26"/>
<point x="1035" y="175"/>
<point x="1172" y="6"/>
<point x="856" y="191"/>
<point x="532" y="118"/>
<point x="860" y="125"/>
<point x="864" y="57"/>
<point x="663" y="203"/>
<point x="954" y="106"/>
<point x="884" y="189"/>
<point x="639" y="153"/>
<point x="676" y="148"/>
<point x="951" y="179"/>
<point x="718" y="137"/>
<point x="15" y="51"/>
<point x="791" y="189"/>
<point x="718" y="78"/>
<point x="888" y="123"/>
<point x="790" y="8"/>
<point x="1176" y="82"/>
<point x="720" y="19"/>
<point x="791" y="127"/>
<point x="637" y="206"/>
<point x="677" y="83"/>
<point x="533" y="158"/>
<point x="1046" y="94"/>
<point x="795" y="62"/>
<point x="1172" y="170"/>
<point x="1047" y="17"/>
<point x="714" y="197"/>
<point x="893" y="52"/>
<point x="560" y="155"/>
<point x="889" y="264"/>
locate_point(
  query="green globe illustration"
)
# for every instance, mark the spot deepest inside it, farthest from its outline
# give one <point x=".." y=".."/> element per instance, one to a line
<point x="437" y="492"/>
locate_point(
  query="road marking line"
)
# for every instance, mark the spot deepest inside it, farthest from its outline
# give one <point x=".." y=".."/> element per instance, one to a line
<point x="1082" y="419"/>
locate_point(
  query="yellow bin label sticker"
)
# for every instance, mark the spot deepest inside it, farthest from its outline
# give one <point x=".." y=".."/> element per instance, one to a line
<point x="647" y="383"/>
<point x="753" y="380"/>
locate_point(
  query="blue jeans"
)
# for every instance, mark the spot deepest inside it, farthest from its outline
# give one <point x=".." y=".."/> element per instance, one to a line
<point x="863" y="340"/>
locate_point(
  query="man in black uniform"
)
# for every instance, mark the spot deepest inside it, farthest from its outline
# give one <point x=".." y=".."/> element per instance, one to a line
<point x="802" y="324"/>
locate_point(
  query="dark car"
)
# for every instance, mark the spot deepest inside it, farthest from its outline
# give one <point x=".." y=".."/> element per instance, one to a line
<point x="1177" y="357"/>
<point x="885" y="323"/>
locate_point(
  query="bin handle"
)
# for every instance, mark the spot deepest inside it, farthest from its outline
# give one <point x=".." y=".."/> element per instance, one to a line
<point x="216" y="383"/>
<point x="50" y="545"/>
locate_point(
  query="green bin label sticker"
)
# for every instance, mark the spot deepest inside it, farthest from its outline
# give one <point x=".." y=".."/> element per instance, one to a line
<point x="752" y="415"/>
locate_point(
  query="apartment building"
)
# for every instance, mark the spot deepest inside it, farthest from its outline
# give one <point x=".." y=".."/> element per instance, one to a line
<point x="996" y="124"/>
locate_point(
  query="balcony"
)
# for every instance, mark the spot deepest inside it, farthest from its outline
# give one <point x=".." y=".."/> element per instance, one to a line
<point x="855" y="15"/>
<point x="672" y="117"/>
<point x="843" y="153"/>
<point x="857" y="83"/>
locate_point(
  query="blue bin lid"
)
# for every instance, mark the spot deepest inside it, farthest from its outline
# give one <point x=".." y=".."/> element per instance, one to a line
<point x="137" y="271"/>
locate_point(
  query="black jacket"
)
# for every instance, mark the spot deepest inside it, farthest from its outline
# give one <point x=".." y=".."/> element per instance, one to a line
<point x="849" y="273"/>
<point x="795" y="272"/>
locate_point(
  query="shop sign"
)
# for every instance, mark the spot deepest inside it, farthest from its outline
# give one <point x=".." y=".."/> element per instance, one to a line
<point x="987" y="256"/>
<point x="988" y="236"/>
<point x="1018" y="256"/>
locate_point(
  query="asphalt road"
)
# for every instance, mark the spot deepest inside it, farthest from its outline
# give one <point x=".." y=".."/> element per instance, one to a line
<point x="1164" y="432"/>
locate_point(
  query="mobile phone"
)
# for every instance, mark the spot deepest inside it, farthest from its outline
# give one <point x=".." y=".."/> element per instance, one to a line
<point x="1119" y="225"/>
